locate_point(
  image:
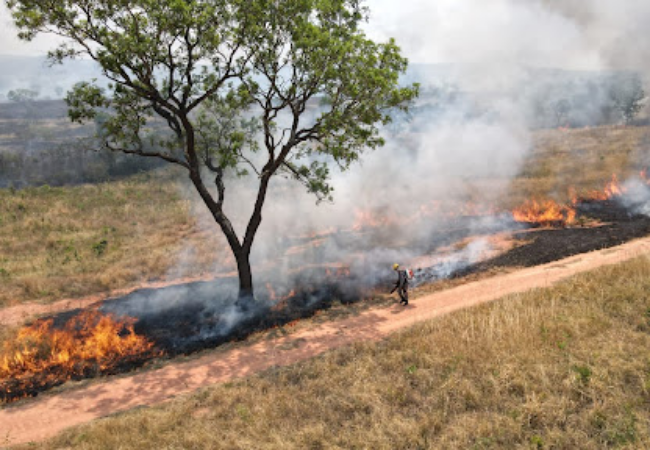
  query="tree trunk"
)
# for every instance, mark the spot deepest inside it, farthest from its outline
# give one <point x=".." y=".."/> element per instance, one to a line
<point x="246" y="294"/>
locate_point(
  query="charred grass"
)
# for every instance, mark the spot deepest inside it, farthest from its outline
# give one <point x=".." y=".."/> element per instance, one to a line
<point x="63" y="242"/>
<point x="565" y="367"/>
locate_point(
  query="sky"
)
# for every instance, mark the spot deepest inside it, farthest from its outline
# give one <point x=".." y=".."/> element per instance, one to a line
<point x="569" y="34"/>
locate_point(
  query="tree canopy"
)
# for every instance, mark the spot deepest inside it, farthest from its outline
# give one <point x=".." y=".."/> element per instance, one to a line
<point x="262" y="86"/>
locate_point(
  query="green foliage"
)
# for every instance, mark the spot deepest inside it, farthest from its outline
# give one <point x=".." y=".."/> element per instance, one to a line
<point x="628" y="96"/>
<point x="166" y="59"/>
<point x="584" y="373"/>
<point x="537" y="442"/>
<point x="100" y="247"/>
<point x="22" y="95"/>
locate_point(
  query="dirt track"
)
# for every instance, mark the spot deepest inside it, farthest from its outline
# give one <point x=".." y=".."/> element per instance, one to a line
<point x="49" y="414"/>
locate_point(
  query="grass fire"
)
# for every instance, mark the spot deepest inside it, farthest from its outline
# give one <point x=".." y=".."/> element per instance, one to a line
<point x="544" y="213"/>
<point x="220" y="219"/>
<point x="89" y="344"/>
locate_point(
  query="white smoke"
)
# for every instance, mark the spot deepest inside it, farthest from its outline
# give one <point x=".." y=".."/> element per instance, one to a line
<point x="636" y="196"/>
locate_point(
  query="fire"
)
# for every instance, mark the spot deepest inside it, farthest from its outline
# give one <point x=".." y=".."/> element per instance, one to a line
<point x="271" y="292"/>
<point x="42" y="356"/>
<point x="644" y="176"/>
<point x="282" y="302"/>
<point x="545" y="213"/>
<point x="369" y="219"/>
<point x="612" y="189"/>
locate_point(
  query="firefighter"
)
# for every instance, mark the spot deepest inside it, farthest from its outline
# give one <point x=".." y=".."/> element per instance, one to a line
<point x="401" y="285"/>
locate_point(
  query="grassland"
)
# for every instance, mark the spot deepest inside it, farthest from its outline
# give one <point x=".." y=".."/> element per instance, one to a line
<point x="583" y="159"/>
<point x="565" y="367"/>
<point x="75" y="241"/>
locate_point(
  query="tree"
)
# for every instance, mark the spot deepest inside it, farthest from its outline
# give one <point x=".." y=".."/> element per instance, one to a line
<point x="561" y="110"/>
<point x="628" y="97"/>
<point x="22" y="95"/>
<point x="219" y="71"/>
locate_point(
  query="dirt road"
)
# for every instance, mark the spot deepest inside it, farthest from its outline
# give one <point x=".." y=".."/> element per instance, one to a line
<point x="49" y="414"/>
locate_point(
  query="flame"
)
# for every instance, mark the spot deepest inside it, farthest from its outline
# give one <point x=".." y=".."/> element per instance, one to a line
<point x="573" y="195"/>
<point x="612" y="189"/>
<point x="272" y="295"/>
<point x="644" y="176"/>
<point x="41" y="355"/>
<point x="369" y="219"/>
<point x="282" y="302"/>
<point x="545" y="213"/>
<point x="343" y="272"/>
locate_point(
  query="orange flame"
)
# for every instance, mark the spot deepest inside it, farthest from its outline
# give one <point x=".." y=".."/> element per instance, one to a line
<point x="644" y="176"/>
<point x="545" y="213"/>
<point x="272" y="295"/>
<point x="42" y="356"/>
<point x="612" y="189"/>
<point x="283" y="302"/>
<point x="369" y="219"/>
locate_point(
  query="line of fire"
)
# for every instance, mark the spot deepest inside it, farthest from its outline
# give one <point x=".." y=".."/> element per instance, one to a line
<point x="124" y="333"/>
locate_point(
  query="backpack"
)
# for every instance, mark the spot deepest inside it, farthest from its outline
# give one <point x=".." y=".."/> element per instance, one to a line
<point x="409" y="274"/>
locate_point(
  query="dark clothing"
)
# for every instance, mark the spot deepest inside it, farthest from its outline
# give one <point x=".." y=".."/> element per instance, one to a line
<point x="402" y="286"/>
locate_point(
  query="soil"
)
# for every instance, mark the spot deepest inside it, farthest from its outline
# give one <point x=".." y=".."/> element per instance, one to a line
<point x="49" y="414"/>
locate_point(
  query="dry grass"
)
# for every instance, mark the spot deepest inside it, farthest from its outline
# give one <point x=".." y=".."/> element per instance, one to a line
<point x="69" y="242"/>
<point x="584" y="159"/>
<point x="566" y="367"/>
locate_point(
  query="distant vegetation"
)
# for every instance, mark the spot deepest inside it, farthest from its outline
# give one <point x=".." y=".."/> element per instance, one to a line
<point x="38" y="146"/>
<point x="546" y="99"/>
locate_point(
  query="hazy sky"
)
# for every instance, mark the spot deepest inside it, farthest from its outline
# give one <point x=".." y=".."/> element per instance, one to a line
<point x="572" y="34"/>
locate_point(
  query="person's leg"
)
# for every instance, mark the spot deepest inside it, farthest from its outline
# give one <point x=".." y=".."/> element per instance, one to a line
<point x="403" y="293"/>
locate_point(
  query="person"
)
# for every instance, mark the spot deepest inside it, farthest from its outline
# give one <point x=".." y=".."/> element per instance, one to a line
<point x="401" y="285"/>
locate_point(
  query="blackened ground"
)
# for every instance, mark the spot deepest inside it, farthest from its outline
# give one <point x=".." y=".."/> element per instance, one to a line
<point x="546" y="245"/>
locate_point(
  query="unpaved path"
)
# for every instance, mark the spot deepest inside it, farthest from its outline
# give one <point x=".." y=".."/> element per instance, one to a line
<point x="46" y="416"/>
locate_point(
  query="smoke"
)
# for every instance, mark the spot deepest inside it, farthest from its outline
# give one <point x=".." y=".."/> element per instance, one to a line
<point x="567" y="34"/>
<point x="636" y="197"/>
<point x="484" y="68"/>
<point x="444" y="266"/>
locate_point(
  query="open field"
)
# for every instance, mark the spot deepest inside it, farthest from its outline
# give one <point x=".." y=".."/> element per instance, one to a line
<point x="77" y="241"/>
<point x="62" y="242"/>
<point x="562" y="367"/>
<point x="582" y="158"/>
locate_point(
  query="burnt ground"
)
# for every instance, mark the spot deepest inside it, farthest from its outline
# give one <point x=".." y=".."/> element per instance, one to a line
<point x="188" y="318"/>
<point x="547" y="245"/>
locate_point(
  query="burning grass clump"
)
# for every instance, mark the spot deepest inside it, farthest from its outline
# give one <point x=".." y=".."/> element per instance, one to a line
<point x="564" y="367"/>
<point x="545" y="213"/>
<point x="41" y="356"/>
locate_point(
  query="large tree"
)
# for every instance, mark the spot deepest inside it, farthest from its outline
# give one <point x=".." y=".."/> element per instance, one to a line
<point x="231" y="81"/>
